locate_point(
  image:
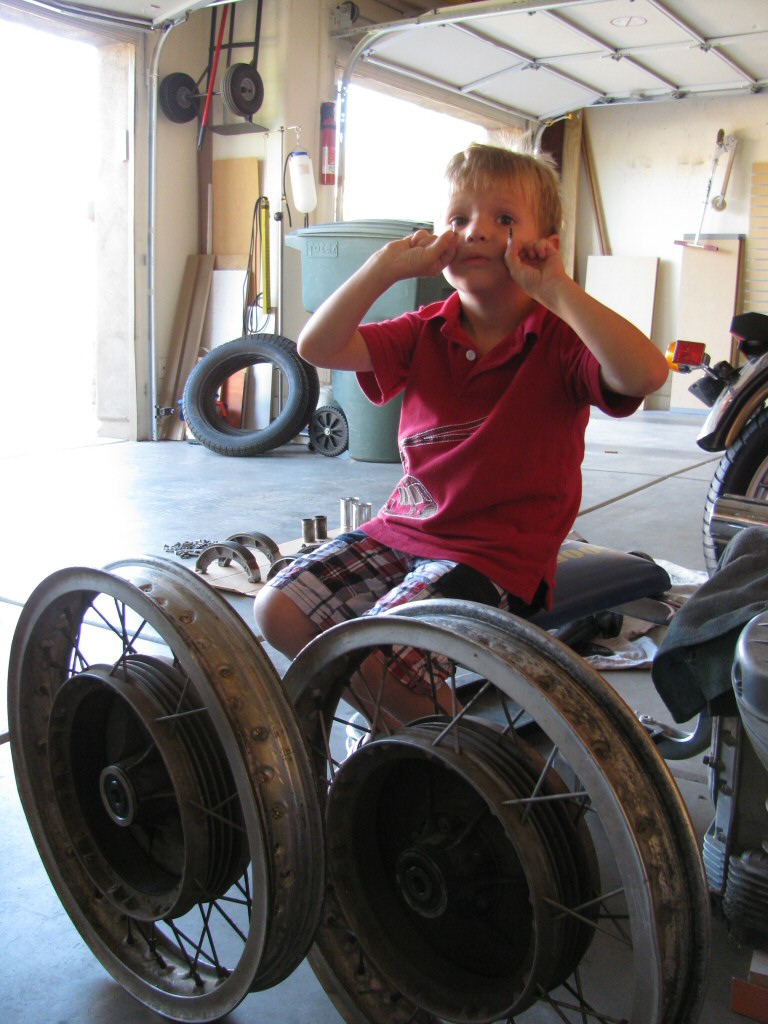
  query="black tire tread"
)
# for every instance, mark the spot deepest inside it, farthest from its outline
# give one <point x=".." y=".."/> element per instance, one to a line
<point x="734" y="475"/>
<point x="205" y="380"/>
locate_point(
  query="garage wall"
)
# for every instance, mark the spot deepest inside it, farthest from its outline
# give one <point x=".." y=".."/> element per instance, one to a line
<point x="652" y="163"/>
<point x="296" y="64"/>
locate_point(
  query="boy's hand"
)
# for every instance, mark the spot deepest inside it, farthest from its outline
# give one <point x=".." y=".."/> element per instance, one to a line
<point x="421" y="254"/>
<point x="536" y="266"/>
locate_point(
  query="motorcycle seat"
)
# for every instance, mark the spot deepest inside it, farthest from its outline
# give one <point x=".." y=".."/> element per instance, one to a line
<point x="590" y="578"/>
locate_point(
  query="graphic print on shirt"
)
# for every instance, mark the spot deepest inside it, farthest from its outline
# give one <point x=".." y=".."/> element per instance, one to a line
<point x="412" y="499"/>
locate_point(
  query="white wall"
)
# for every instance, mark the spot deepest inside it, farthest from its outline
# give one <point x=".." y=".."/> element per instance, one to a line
<point x="651" y="164"/>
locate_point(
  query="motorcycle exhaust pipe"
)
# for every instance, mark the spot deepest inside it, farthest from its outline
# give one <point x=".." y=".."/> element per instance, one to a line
<point x="732" y="513"/>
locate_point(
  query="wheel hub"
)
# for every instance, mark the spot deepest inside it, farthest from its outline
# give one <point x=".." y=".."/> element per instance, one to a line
<point x="138" y="777"/>
<point x="422" y="883"/>
<point x="450" y="886"/>
<point x="117" y="795"/>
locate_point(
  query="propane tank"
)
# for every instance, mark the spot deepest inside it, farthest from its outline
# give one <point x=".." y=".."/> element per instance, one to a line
<point x="327" y="144"/>
<point x="302" y="181"/>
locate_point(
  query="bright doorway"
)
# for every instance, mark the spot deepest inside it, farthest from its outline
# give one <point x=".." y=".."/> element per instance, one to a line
<point x="396" y="155"/>
<point x="48" y="110"/>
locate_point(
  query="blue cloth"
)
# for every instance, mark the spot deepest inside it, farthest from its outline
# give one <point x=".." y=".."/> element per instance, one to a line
<point x="693" y="664"/>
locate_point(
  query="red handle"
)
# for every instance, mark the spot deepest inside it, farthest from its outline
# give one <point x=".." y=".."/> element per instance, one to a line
<point x="212" y="76"/>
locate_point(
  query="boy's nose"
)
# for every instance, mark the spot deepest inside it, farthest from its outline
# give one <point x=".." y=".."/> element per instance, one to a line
<point x="476" y="232"/>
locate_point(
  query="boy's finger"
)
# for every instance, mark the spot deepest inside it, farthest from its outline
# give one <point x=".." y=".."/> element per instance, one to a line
<point x="445" y="247"/>
<point x="512" y="253"/>
<point x="422" y="237"/>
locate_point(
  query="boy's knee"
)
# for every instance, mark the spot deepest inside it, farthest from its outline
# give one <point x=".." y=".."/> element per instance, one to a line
<point x="266" y="612"/>
<point x="282" y="624"/>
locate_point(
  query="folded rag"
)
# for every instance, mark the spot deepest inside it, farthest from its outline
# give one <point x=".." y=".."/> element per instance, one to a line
<point x="694" y="660"/>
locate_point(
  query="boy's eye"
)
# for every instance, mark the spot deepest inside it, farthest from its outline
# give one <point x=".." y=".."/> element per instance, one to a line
<point x="457" y="221"/>
<point x="506" y="220"/>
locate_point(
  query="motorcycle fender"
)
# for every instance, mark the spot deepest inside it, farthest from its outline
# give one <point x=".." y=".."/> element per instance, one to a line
<point x="735" y="406"/>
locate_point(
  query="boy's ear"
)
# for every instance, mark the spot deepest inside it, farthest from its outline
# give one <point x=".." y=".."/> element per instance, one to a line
<point x="555" y="240"/>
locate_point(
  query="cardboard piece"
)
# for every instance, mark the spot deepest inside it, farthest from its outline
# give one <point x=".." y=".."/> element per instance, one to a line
<point x="233" y="577"/>
<point x="749" y="1000"/>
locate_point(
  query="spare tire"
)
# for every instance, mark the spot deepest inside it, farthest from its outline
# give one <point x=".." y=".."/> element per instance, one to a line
<point x="201" y="395"/>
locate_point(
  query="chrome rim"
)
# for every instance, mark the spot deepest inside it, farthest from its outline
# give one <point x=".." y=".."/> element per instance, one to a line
<point x="166" y="784"/>
<point x="648" y="921"/>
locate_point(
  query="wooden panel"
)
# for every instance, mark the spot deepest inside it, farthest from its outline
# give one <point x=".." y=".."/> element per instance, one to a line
<point x="709" y="296"/>
<point x="235" y="191"/>
<point x="756" y="251"/>
<point x="186" y="340"/>
<point x="205" y="195"/>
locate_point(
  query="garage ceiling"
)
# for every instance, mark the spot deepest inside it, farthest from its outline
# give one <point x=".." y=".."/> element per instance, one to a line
<point x="540" y="59"/>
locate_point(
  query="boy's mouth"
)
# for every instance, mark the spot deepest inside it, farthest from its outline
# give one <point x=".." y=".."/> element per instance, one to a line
<point x="472" y="258"/>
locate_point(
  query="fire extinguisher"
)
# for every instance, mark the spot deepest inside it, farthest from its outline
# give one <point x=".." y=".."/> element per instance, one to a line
<point x="327" y="144"/>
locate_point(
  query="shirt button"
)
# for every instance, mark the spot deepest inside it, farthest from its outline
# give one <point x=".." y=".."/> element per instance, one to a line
<point x="471" y="355"/>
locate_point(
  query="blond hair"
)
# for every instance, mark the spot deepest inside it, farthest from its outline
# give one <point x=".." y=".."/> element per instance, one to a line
<point x="481" y="167"/>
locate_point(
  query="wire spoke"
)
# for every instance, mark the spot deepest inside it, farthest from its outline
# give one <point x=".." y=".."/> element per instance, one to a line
<point x="585" y="1011"/>
<point x="211" y="812"/>
<point x="77" y="660"/>
<point x="126" y="639"/>
<point x="580" y="798"/>
<point x="621" y="938"/>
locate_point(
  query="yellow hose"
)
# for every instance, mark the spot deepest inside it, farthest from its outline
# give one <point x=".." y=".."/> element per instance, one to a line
<point x="266" y="291"/>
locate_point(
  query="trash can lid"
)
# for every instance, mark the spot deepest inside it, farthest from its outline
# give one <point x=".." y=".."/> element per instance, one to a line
<point x="388" y="229"/>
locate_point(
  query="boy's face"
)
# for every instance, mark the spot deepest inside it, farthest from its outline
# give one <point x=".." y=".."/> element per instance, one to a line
<point x="481" y="221"/>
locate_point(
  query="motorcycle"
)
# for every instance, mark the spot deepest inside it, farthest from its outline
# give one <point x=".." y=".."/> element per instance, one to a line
<point x="736" y="844"/>
<point x="736" y="425"/>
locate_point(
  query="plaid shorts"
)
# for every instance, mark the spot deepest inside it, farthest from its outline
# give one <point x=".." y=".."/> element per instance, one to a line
<point x="355" y="575"/>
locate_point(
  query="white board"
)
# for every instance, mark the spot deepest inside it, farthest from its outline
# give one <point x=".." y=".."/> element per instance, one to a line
<point x="224" y="322"/>
<point x="626" y="284"/>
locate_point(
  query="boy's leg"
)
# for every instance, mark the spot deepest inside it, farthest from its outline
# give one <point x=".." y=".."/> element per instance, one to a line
<point x="409" y="682"/>
<point x="343" y="580"/>
<point x="282" y="623"/>
<point x="334" y="583"/>
<point x="353" y="576"/>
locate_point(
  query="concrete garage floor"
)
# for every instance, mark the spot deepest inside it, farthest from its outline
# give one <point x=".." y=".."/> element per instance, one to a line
<point x="644" y="487"/>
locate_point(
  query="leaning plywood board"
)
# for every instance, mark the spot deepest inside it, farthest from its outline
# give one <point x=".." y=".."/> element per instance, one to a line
<point x="185" y="341"/>
<point x="569" y="177"/>
<point x="709" y="296"/>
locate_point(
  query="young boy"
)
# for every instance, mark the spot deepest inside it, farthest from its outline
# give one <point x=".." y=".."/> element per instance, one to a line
<point x="498" y="381"/>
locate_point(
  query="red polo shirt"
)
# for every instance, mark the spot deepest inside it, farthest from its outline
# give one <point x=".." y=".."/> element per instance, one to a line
<point x="491" y="445"/>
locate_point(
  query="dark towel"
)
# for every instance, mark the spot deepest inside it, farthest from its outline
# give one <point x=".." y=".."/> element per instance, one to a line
<point x="692" y="667"/>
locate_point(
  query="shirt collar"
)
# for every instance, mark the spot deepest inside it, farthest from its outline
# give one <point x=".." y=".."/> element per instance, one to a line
<point x="450" y="312"/>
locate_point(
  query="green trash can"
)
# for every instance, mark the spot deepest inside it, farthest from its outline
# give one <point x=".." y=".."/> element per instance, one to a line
<point x="372" y="428"/>
<point x="331" y="253"/>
